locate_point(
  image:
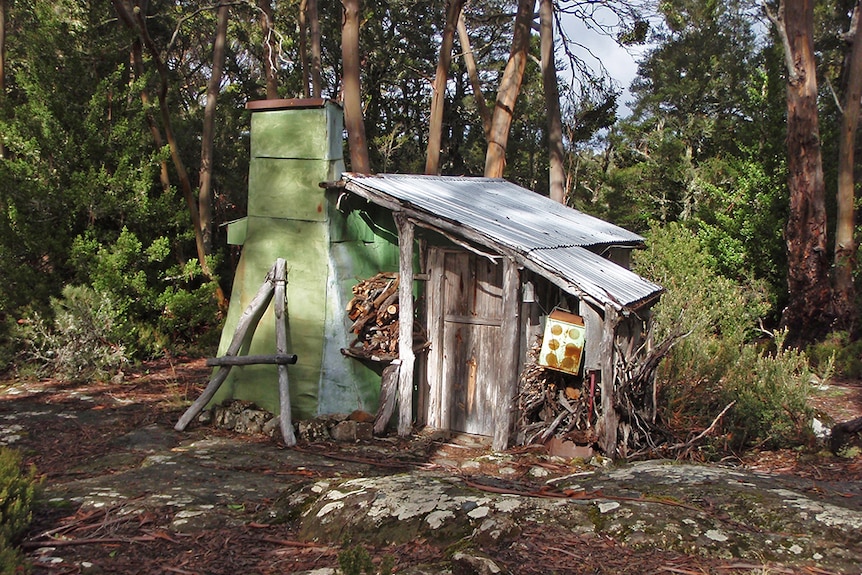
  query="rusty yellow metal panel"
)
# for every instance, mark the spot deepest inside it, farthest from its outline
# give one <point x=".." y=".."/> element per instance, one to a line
<point x="563" y="343"/>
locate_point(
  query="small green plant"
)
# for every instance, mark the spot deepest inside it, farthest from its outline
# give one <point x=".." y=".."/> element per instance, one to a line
<point x="17" y="491"/>
<point x="356" y="560"/>
<point x="80" y="342"/>
<point x="771" y="390"/>
<point x="839" y="348"/>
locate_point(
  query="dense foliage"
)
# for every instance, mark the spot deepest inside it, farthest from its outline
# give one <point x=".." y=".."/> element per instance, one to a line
<point x="724" y="356"/>
<point x="97" y="247"/>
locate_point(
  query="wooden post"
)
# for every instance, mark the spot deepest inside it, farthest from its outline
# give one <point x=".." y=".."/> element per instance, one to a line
<point x="434" y="322"/>
<point x="281" y="348"/>
<point x="405" y="324"/>
<point x="249" y="317"/>
<point x="388" y="396"/>
<point x="510" y="350"/>
<point x="610" y="420"/>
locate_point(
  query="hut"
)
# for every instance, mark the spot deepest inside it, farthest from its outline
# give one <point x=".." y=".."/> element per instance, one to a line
<point x="481" y="268"/>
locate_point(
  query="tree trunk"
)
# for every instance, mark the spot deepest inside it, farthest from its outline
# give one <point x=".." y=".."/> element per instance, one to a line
<point x="269" y="49"/>
<point x="510" y="87"/>
<point x="138" y="23"/>
<point x="438" y="97"/>
<point x="303" y="48"/>
<point x="556" y="171"/>
<point x="314" y="28"/>
<point x="2" y="64"/>
<point x="473" y="73"/>
<point x="353" y="122"/>
<point x="845" y="244"/>
<point x="205" y="200"/>
<point x="137" y="57"/>
<point x="809" y="311"/>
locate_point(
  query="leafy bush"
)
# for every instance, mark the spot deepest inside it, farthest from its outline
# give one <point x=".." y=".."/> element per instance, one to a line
<point x="81" y="341"/>
<point x="838" y="348"/>
<point x="356" y="560"/>
<point x="771" y="392"/>
<point x="163" y="306"/>
<point x="721" y="360"/>
<point x="17" y="492"/>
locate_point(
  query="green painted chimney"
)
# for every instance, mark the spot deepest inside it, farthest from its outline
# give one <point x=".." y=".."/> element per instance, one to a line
<point x="296" y="145"/>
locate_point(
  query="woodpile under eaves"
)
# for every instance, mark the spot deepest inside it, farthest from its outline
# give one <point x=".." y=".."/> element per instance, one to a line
<point x="555" y="404"/>
<point x="374" y="313"/>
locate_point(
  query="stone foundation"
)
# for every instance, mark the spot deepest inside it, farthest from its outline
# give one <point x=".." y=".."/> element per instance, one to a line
<point x="247" y="418"/>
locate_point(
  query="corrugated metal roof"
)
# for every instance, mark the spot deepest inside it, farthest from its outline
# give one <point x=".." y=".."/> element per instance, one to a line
<point x="550" y="238"/>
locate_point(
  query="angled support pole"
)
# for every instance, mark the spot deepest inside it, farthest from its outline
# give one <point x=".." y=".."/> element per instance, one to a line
<point x="275" y="282"/>
<point x="281" y="349"/>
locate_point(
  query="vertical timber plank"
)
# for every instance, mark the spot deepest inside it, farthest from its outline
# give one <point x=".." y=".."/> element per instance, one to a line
<point x="434" y="321"/>
<point x="610" y="420"/>
<point x="281" y="348"/>
<point x="509" y="358"/>
<point x="405" y="324"/>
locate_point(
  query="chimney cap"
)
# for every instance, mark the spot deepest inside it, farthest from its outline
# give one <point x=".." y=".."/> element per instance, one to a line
<point x="286" y="103"/>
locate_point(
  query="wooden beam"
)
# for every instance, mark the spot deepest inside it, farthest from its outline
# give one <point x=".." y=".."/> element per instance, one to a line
<point x="281" y="349"/>
<point x="278" y="359"/>
<point x="610" y="420"/>
<point x="249" y="317"/>
<point x="510" y="348"/>
<point x="405" y="324"/>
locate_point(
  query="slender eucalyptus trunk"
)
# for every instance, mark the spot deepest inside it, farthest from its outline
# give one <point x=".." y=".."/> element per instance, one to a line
<point x="845" y="243"/>
<point x="137" y="57"/>
<point x="809" y="312"/>
<point x="205" y="192"/>
<point x="510" y="87"/>
<point x="269" y="49"/>
<point x="136" y="20"/>
<point x="473" y="73"/>
<point x="353" y="122"/>
<point x="303" y="48"/>
<point x="556" y="171"/>
<point x="314" y="30"/>
<point x="438" y="97"/>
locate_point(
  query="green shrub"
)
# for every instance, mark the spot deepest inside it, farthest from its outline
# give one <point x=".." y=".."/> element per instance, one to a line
<point x="163" y="305"/>
<point x="10" y="345"/>
<point x="771" y="391"/>
<point x="721" y="360"/>
<point x="82" y="340"/>
<point x="356" y="560"/>
<point x="838" y="348"/>
<point x="17" y="492"/>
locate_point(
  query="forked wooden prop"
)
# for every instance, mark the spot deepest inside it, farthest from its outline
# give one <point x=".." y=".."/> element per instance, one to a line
<point x="275" y="282"/>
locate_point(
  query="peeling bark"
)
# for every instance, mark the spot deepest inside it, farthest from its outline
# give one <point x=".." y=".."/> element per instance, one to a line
<point x="556" y="171"/>
<point x="438" y="98"/>
<point x="353" y="122"/>
<point x="809" y="312"/>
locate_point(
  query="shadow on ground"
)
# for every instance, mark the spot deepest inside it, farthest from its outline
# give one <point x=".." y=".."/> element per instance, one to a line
<point x="125" y="493"/>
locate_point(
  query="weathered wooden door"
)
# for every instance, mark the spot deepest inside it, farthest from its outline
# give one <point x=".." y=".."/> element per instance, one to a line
<point x="465" y="318"/>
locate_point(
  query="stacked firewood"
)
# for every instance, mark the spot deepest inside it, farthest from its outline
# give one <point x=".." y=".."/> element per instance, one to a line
<point x="553" y="403"/>
<point x="374" y="313"/>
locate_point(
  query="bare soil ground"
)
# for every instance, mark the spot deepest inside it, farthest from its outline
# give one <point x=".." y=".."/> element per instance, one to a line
<point x="75" y="433"/>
